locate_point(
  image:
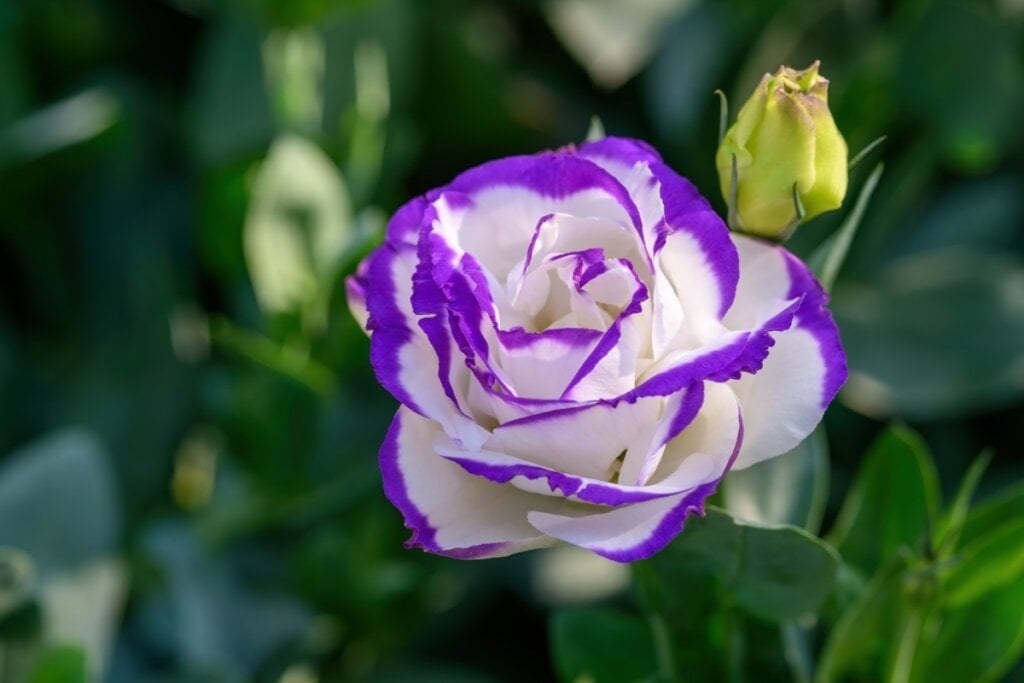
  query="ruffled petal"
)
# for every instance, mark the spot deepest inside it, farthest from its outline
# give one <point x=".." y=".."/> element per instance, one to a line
<point x="405" y="362"/>
<point x="491" y="211"/>
<point x="449" y="511"/>
<point x="584" y="440"/>
<point x="638" y="530"/>
<point x="694" y="250"/>
<point x="784" y="401"/>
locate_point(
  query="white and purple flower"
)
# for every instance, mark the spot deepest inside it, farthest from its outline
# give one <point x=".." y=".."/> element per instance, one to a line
<point x="582" y="350"/>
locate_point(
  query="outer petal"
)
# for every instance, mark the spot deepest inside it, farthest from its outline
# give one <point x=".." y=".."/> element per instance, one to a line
<point x="696" y="251"/>
<point x="355" y="293"/>
<point x="449" y="511"/>
<point x="525" y="473"/>
<point x="637" y="531"/>
<point x="404" y="361"/>
<point x="785" y="400"/>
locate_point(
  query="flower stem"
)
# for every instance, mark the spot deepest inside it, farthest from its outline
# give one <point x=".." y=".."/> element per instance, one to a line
<point x="662" y="647"/>
<point x="645" y="580"/>
<point x="734" y="645"/>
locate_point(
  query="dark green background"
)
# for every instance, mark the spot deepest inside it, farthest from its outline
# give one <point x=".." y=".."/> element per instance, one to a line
<point x="131" y="137"/>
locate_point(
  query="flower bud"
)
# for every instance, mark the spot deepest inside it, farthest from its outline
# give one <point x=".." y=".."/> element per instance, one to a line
<point x="790" y="159"/>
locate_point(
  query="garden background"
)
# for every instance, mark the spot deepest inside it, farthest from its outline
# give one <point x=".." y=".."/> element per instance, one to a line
<point x="188" y="478"/>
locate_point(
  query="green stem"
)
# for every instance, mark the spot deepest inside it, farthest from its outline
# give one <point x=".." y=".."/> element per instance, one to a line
<point x="285" y="360"/>
<point x="734" y="645"/>
<point x="644" y="579"/>
<point x="904" y="661"/>
<point x="662" y="647"/>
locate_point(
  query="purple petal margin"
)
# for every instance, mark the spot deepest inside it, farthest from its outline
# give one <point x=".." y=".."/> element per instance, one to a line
<point x="423" y="534"/>
<point x="390" y="329"/>
<point x="624" y="151"/>
<point x="582" y="488"/>
<point x="672" y="523"/>
<point x="816" y="319"/>
<point x="687" y="211"/>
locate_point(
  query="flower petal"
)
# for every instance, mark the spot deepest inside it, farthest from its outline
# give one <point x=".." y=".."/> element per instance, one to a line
<point x="502" y="201"/>
<point x="694" y="249"/>
<point x="638" y="530"/>
<point x="584" y="440"/>
<point x="449" y="511"/>
<point x="405" y="362"/>
<point x="786" y="398"/>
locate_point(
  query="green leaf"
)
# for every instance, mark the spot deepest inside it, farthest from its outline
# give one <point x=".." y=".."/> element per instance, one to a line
<point x="601" y="645"/>
<point x="230" y="122"/>
<point x="58" y="502"/>
<point x="60" y="664"/>
<point x="858" y="645"/>
<point x="992" y="512"/>
<point x="949" y="530"/>
<point x="828" y="258"/>
<point x="936" y="334"/>
<point x="972" y="133"/>
<point x="986" y="564"/>
<point x="789" y="489"/>
<point x="298" y="227"/>
<point x="979" y="642"/>
<point x="774" y="572"/>
<point x="891" y="504"/>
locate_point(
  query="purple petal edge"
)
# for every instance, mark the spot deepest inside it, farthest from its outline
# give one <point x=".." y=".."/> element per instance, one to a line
<point x="814" y="317"/>
<point x="423" y="534"/>
<point x="672" y="523"/>
<point x="686" y="210"/>
<point x="584" y="489"/>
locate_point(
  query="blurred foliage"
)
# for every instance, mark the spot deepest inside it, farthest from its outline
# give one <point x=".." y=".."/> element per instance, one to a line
<point x="188" y="484"/>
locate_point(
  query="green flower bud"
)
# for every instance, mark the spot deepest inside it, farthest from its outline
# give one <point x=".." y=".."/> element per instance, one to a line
<point x="790" y="159"/>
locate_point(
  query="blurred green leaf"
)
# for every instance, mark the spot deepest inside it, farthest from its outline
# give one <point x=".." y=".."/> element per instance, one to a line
<point x="892" y="503"/>
<point x="936" y="335"/>
<point x="789" y="489"/>
<point x="230" y="115"/>
<point x="13" y="86"/>
<point x="992" y="513"/>
<point x="979" y="642"/>
<point x="61" y="664"/>
<point x="218" y="611"/>
<point x="687" y="68"/>
<point x="601" y="645"/>
<point x="828" y="258"/>
<point x="73" y="120"/>
<point x="986" y="564"/>
<point x="775" y="572"/>
<point x="859" y="644"/>
<point x="979" y="213"/>
<point x="298" y="228"/>
<point x="58" y="502"/>
<point x="948" y="533"/>
<point x="972" y="129"/>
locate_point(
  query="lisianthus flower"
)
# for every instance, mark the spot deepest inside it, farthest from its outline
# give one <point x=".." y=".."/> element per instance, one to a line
<point x="582" y="350"/>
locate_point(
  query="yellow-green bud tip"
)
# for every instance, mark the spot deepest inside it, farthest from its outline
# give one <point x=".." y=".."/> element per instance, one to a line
<point x="790" y="159"/>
